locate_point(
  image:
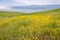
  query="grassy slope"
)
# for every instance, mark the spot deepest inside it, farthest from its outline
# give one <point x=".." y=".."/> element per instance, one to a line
<point x="36" y="26"/>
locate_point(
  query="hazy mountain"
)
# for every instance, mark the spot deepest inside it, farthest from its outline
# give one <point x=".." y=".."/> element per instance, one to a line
<point x="37" y="7"/>
<point x="32" y="8"/>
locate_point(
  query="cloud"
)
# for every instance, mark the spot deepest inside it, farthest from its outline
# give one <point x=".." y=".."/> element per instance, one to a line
<point x="38" y="2"/>
<point x="28" y="2"/>
<point x="4" y="7"/>
<point x="7" y="4"/>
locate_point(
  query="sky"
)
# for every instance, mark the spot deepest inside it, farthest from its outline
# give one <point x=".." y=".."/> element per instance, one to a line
<point x="6" y="4"/>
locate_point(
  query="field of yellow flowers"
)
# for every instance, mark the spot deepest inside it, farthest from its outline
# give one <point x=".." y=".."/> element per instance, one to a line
<point x="45" y="26"/>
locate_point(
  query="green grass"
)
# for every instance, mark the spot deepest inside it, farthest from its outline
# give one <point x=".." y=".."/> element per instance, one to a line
<point x="34" y="26"/>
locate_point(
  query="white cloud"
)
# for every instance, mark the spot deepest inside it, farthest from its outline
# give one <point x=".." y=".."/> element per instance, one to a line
<point x="8" y="5"/>
<point x="37" y="2"/>
<point x="4" y="7"/>
<point x="27" y="2"/>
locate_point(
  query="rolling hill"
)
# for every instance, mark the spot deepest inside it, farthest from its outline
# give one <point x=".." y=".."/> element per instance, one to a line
<point x="43" y="25"/>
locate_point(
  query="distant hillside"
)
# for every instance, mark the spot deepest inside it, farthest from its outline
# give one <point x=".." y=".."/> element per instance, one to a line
<point x="6" y="13"/>
<point x="11" y="14"/>
<point x="48" y="11"/>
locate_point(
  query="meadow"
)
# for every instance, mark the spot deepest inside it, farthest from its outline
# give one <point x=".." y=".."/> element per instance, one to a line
<point x="43" y="25"/>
